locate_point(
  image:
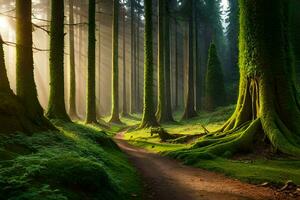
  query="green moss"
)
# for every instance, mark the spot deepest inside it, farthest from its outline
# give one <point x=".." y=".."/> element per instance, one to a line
<point x="79" y="162"/>
<point x="258" y="171"/>
<point x="148" y="119"/>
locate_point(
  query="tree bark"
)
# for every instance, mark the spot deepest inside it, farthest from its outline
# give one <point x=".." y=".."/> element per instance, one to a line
<point x="56" y="104"/>
<point x="189" y="111"/>
<point x="91" y="116"/>
<point x="267" y="109"/>
<point x="26" y="88"/>
<point x="149" y="119"/>
<point x="72" y="78"/>
<point x="125" y="110"/>
<point x="115" y="68"/>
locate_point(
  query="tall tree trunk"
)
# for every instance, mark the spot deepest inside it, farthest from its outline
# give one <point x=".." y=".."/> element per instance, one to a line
<point x="72" y="78"/>
<point x="167" y="64"/>
<point x="99" y="69"/>
<point x="26" y="88"/>
<point x="125" y="111"/>
<point x="138" y="62"/>
<point x="189" y="111"/>
<point x="56" y="104"/>
<point x="115" y="68"/>
<point x="91" y="116"/>
<point x="149" y="119"/>
<point x="161" y="102"/>
<point x="176" y="67"/>
<point x="198" y="69"/>
<point x="132" y="73"/>
<point x="267" y="109"/>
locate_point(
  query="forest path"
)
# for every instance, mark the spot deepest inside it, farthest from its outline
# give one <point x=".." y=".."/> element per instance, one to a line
<point x="167" y="179"/>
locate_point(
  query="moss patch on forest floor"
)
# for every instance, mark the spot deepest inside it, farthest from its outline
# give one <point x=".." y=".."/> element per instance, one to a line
<point x="254" y="169"/>
<point x="77" y="162"/>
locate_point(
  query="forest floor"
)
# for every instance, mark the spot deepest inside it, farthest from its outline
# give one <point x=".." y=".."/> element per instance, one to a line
<point x="165" y="179"/>
<point x="263" y="170"/>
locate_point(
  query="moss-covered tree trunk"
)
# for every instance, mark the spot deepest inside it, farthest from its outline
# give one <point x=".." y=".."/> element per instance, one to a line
<point x="72" y="75"/>
<point x="161" y="97"/>
<point x="149" y="119"/>
<point x="115" y="65"/>
<point x="189" y="111"/>
<point x="26" y="88"/>
<point x="56" y="104"/>
<point x="167" y="63"/>
<point x="125" y="110"/>
<point x="267" y="109"/>
<point x="91" y="116"/>
<point x="215" y="95"/>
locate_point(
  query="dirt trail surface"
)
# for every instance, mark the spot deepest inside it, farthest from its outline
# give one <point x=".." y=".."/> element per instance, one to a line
<point x="167" y="179"/>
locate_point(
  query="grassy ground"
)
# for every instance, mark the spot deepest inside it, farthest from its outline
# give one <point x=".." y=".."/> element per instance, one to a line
<point x="255" y="170"/>
<point x="77" y="162"/>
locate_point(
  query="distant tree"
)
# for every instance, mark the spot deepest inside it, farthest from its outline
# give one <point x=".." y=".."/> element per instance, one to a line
<point x="133" y="102"/>
<point x="56" y="104"/>
<point x="115" y="65"/>
<point x="72" y="78"/>
<point x="26" y="88"/>
<point x="91" y="116"/>
<point x="149" y="119"/>
<point x="125" y="110"/>
<point x="189" y="111"/>
<point x="214" y="84"/>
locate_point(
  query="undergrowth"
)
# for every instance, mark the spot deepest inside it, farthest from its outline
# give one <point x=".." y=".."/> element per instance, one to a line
<point x="77" y="162"/>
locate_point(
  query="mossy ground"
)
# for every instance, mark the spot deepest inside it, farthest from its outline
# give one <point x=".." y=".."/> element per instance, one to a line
<point x="249" y="168"/>
<point x="77" y="162"/>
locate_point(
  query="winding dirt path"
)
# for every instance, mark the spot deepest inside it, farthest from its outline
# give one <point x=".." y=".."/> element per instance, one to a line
<point x="166" y="179"/>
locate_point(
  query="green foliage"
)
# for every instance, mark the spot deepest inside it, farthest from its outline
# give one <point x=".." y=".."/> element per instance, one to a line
<point x="214" y="84"/>
<point x="79" y="162"/>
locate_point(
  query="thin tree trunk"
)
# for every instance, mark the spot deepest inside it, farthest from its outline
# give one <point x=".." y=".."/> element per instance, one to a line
<point x="176" y="66"/>
<point x="125" y="111"/>
<point x="115" y="71"/>
<point x="132" y="73"/>
<point x="72" y="80"/>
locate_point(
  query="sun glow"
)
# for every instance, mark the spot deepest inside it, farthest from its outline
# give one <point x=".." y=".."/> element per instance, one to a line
<point x="4" y="23"/>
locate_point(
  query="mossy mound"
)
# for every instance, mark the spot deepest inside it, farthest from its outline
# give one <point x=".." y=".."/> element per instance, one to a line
<point x="74" y="163"/>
